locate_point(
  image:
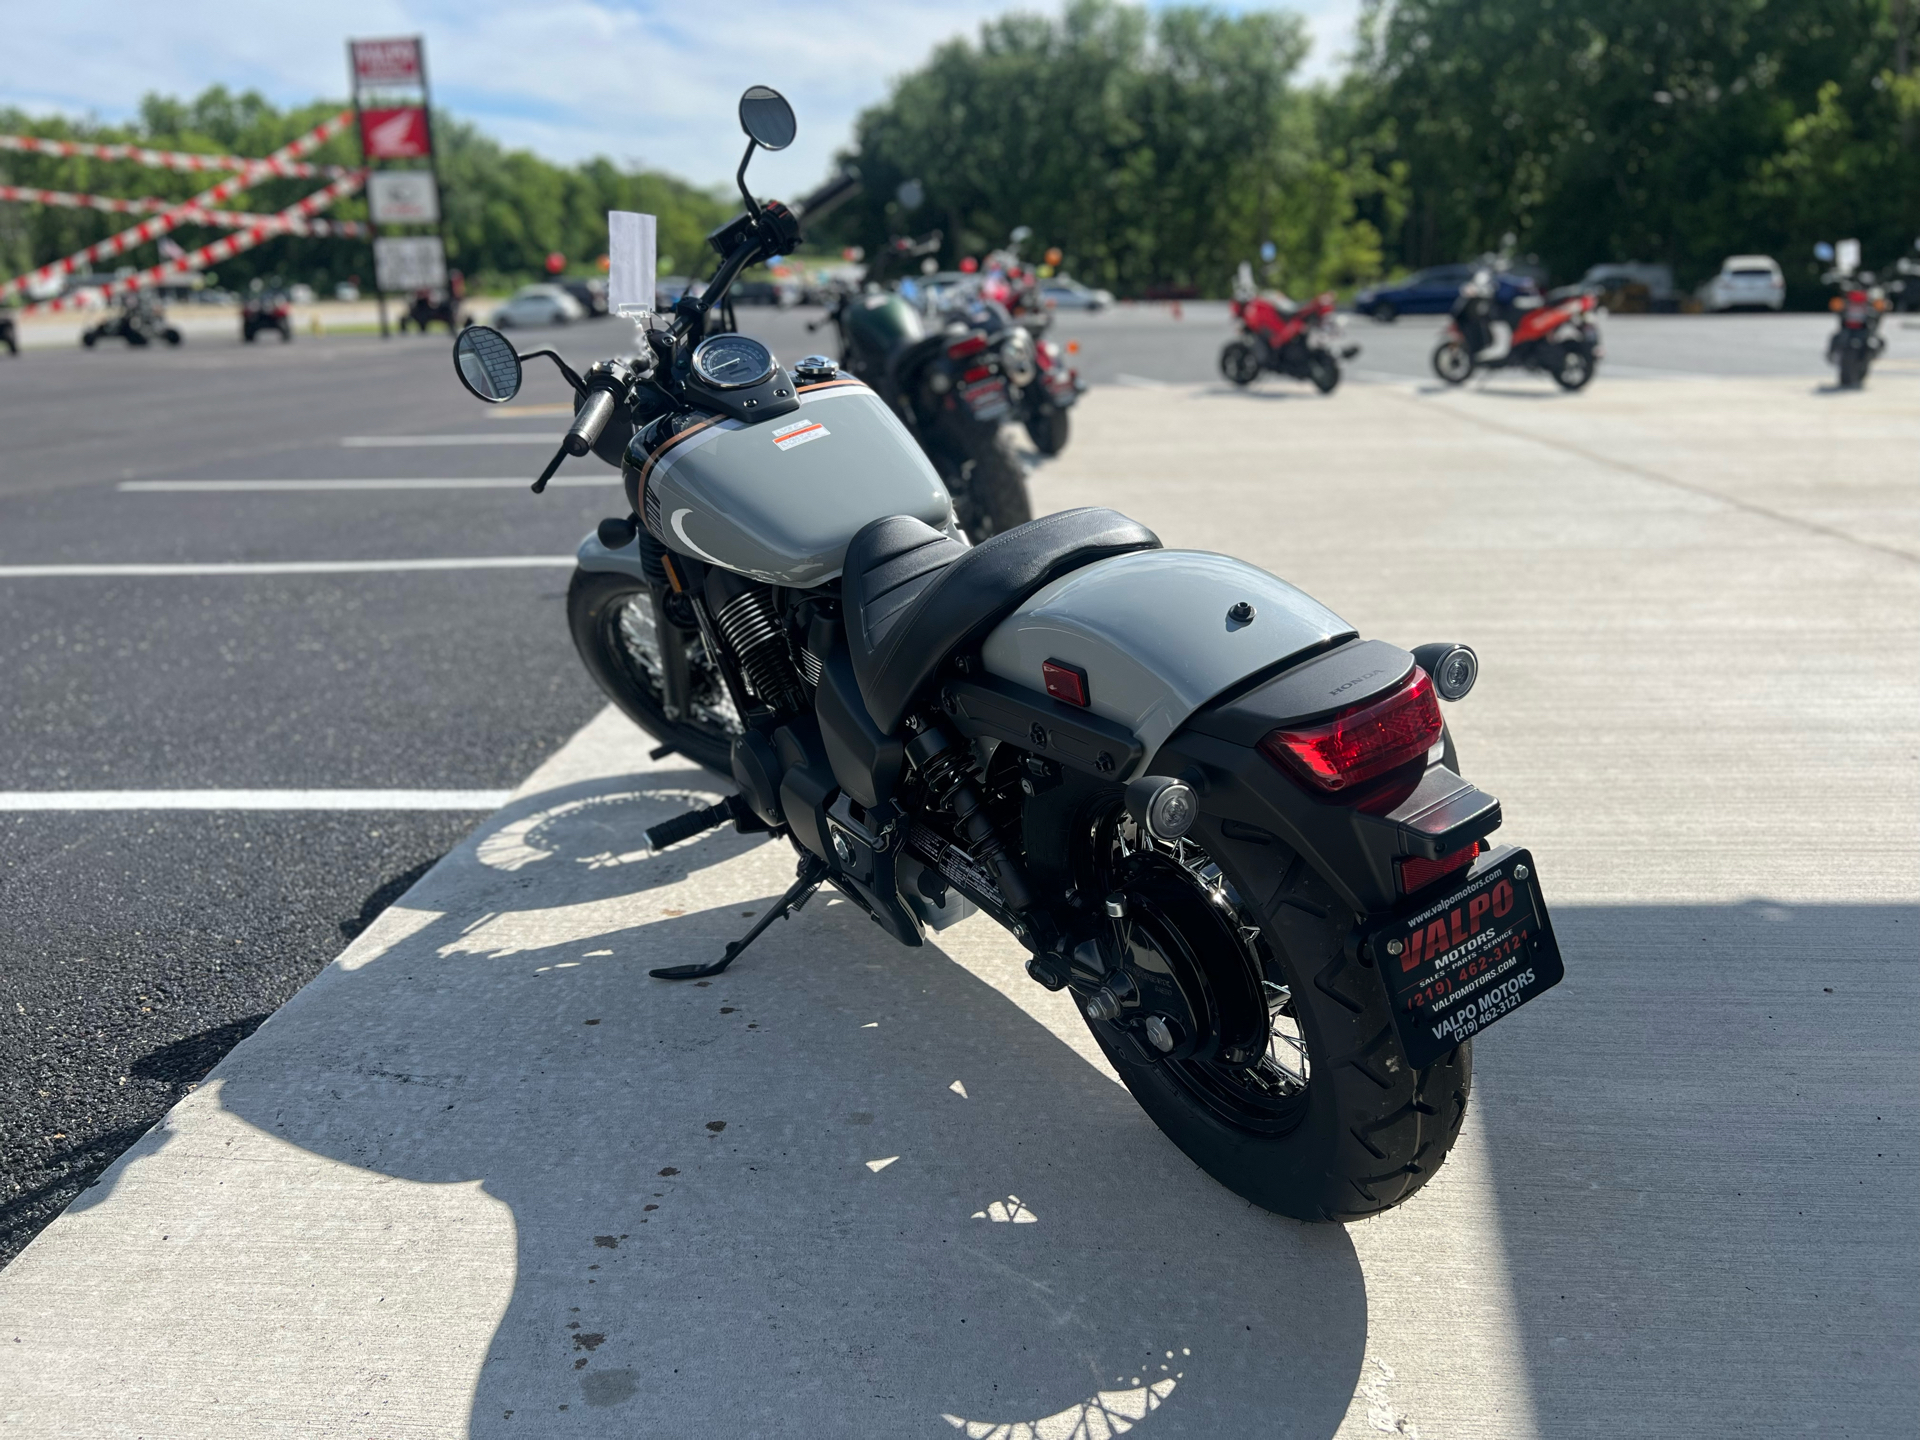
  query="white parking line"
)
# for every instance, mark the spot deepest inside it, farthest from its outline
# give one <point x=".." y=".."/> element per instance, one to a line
<point x="288" y="567"/>
<point x="253" y="799"/>
<point x="376" y="442"/>
<point x="398" y="483"/>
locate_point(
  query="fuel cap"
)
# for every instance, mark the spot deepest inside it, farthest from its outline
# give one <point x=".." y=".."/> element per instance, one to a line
<point x="815" y="368"/>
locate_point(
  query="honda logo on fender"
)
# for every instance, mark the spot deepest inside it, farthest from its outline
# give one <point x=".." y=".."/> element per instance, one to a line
<point x="1455" y="928"/>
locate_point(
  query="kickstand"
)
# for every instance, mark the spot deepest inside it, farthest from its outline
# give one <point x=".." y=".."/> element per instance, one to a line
<point x="806" y="880"/>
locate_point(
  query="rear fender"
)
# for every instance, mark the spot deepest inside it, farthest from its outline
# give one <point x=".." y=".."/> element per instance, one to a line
<point x="1157" y="636"/>
<point x="1425" y="810"/>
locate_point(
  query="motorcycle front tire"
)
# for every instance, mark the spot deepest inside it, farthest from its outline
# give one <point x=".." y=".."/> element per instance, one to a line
<point x="1324" y="371"/>
<point x="171" y="336"/>
<point x="1240" y="362"/>
<point x="595" y="599"/>
<point x="1048" y="429"/>
<point x="1453" y="363"/>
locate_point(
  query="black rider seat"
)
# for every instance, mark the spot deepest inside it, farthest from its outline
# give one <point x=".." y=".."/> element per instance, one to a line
<point x="914" y="596"/>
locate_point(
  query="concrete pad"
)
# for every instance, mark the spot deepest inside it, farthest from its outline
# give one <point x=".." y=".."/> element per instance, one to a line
<point x="416" y="1202"/>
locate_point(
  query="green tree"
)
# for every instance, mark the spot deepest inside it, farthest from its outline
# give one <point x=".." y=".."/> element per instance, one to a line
<point x="1152" y="149"/>
<point x="506" y="210"/>
<point x="1636" y="129"/>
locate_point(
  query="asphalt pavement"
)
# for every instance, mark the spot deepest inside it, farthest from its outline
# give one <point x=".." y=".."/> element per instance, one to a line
<point x="1695" y="604"/>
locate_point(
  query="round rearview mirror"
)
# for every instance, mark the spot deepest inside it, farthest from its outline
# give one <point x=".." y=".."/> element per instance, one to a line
<point x="767" y="118"/>
<point x="484" y="360"/>
<point x="1823" y="251"/>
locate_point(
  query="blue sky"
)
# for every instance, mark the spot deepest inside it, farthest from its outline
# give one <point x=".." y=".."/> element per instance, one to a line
<point x="643" y="82"/>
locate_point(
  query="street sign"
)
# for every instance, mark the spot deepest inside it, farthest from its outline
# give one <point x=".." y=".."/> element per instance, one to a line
<point x="385" y="62"/>
<point x="403" y="197"/>
<point x="409" y="262"/>
<point x="399" y="134"/>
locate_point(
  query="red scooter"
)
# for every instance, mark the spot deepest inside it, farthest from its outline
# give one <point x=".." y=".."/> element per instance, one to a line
<point x="1278" y="335"/>
<point x="1556" y="338"/>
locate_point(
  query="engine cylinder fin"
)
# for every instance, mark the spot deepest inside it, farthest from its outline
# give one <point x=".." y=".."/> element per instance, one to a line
<point x="747" y="622"/>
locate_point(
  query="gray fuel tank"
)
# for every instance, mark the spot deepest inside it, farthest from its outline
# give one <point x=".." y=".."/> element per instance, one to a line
<point x="780" y="499"/>
<point x="1154" y="634"/>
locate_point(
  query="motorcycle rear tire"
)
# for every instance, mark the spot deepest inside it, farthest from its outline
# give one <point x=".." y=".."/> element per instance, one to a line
<point x="1453" y="363"/>
<point x="1574" y="370"/>
<point x="1240" y="362"/>
<point x="172" y="337"/>
<point x="1048" y="429"/>
<point x="1324" y="371"/>
<point x="996" y="487"/>
<point x="87" y="339"/>
<point x="1368" y="1131"/>
<point x="594" y="602"/>
<point x="1852" y="372"/>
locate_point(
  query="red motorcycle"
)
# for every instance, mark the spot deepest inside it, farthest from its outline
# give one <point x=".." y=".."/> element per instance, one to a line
<point x="1277" y="334"/>
<point x="1556" y="338"/>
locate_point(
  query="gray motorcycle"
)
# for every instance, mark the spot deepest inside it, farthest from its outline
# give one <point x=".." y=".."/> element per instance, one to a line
<point x="1232" y="828"/>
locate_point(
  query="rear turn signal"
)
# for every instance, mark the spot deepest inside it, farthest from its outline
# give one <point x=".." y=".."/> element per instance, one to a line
<point x="1368" y="740"/>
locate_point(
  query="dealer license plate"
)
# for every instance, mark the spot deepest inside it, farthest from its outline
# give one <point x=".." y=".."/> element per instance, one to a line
<point x="987" y="399"/>
<point x="1471" y="955"/>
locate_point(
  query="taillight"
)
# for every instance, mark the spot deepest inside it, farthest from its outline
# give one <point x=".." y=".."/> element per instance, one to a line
<point x="978" y="372"/>
<point x="1416" y="874"/>
<point x="972" y="345"/>
<point x="1368" y="740"/>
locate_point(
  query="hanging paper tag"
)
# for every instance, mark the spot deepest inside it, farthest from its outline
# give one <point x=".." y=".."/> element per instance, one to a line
<point x="630" y="263"/>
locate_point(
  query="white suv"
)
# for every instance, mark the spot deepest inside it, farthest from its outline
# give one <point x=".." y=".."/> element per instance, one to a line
<point x="1745" y="282"/>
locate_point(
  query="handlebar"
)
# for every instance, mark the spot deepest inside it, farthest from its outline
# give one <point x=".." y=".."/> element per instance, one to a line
<point x="839" y="189"/>
<point x="589" y="422"/>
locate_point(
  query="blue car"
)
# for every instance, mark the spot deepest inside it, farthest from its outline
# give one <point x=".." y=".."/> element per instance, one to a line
<point x="1433" y="291"/>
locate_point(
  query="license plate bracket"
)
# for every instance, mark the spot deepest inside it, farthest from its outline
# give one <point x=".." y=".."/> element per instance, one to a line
<point x="1468" y="954"/>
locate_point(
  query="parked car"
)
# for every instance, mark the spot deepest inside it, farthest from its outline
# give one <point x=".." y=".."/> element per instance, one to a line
<point x="300" y="294"/>
<point x="539" y="305"/>
<point x="1432" y="292"/>
<point x="669" y="288"/>
<point x="592" y="295"/>
<point x="1625" y="286"/>
<point x="755" y="292"/>
<point x="1745" y="282"/>
<point x="346" y="292"/>
<point x="1065" y="293"/>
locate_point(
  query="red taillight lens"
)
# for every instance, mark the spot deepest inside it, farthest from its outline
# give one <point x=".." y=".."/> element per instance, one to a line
<point x="1416" y="874"/>
<point x="1366" y="741"/>
<point x="978" y="372"/>
<point x="972" y="345"/>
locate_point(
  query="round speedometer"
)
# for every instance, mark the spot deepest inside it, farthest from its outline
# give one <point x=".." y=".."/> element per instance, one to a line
<point x="729" y="362"/>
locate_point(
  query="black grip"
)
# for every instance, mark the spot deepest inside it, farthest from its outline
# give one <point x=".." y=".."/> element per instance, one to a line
<point x="842" y="187"/>
<point x="589" y="421"/>
<point x="685" y="827"/>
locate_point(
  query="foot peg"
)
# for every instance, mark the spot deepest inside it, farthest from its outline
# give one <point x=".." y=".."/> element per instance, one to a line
<point x="806" y="880"/>
<point x="698" y="822"/>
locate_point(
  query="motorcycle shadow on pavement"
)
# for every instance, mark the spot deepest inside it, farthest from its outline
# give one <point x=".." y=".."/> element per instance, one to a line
<point x="845" y="1187"/>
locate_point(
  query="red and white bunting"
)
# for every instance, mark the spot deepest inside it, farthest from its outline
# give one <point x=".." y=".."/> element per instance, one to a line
<point x="225" y="219"/>
<point x="255" y="171"/>
<point x="164" y="159"/>
<point x="268" y="227"/>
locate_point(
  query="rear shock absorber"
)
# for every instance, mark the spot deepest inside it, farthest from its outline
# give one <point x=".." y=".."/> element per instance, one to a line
<point x="950" y="782"/>
<point x="744" y="616"/>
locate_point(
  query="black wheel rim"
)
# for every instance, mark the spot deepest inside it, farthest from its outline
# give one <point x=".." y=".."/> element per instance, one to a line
<point x="1267" y="1094"/>
<point x="630" y="634"/>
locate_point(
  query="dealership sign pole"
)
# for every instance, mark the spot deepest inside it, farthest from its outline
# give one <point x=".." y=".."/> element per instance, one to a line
<point x="391" y="107"/>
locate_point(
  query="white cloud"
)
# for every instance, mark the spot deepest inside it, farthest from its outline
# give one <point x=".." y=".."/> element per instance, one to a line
<point x="637" y="80"/>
